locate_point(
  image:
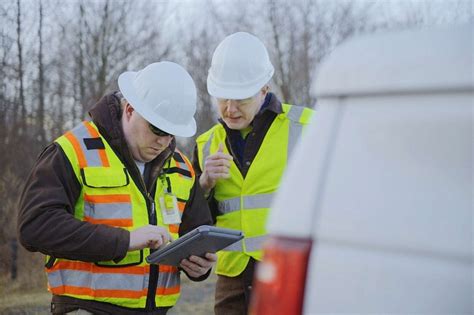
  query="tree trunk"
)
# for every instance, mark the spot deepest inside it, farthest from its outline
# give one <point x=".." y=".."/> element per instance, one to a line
<point x="41" y="114"/>
<point x="19" y="123"/>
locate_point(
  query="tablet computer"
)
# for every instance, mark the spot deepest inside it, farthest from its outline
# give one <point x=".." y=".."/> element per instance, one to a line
<point x="203" y="239"/>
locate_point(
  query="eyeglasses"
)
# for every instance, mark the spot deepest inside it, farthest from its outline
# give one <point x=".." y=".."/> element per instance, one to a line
<point x="239" y="102"/>
<point x="158" y="131"/>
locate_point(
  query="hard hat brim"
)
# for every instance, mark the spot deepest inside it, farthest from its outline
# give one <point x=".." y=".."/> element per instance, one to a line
<point x="237" y="92"/>
<point x="125" y="83"/>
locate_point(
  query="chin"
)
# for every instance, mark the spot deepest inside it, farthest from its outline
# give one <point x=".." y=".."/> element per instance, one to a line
<point x="236" y="125"/>
<point x="147" y="159"/>
<point x="150" y="157"/>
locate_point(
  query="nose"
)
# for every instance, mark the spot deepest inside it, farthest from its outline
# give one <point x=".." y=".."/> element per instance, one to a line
<point x="164" y="141"/>
<point x="231" y="106"/>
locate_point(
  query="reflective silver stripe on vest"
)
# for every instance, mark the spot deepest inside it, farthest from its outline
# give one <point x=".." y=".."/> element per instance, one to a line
<point x="236" y="247"/>
<point x="168" y="280"/>
<point x="296" y="128"/>
<point x="257" y="201"/>
<point x="229" y="205"/>
<point x="184" y="166"/>
<point x="206" y="151"/>
<point x="252" y="244"/>
<point x="96" y="281"/>
<point x="108" y="210"/>
<point x="248" y="202"/>
<point x="92" y="156"/>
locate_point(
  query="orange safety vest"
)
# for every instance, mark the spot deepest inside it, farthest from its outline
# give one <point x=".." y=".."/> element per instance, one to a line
<point x="109" y="196"/>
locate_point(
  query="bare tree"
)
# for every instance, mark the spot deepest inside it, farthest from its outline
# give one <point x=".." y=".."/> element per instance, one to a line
<point x="111" y="36"/>
<point x="6" y="47"/>
<point x="80" y="60"/>
<point x="199" y="60"/>
<point x="300" y="33"/>
<point x="16" y="124"/>
<point x="41" y="79"/>
<point x="277" y="27"/>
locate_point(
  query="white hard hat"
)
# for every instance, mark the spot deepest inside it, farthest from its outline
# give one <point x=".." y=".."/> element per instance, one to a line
<point x="240" y="67"/>
<point x="164" y="94"/>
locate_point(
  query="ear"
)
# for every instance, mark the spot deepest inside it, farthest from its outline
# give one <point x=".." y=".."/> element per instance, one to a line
<point x="127" y="111"/>
<point x="265" y="90"/>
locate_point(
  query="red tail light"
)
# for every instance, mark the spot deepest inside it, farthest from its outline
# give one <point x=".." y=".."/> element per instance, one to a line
<point x="280" y="278"/>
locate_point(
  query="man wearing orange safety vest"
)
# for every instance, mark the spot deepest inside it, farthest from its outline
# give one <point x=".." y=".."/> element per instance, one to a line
<point x="242" y="158"/>
<point x="104" y="195"/>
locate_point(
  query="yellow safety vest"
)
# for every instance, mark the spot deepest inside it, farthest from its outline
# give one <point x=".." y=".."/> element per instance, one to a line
<point x="243" y="203"/>
<point x="109" y="196"/>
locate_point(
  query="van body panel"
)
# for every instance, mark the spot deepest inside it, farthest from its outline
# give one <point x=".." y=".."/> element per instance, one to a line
<point x="427" y="60"/>
<point x="382" y="182"/>
<point x="405" y="163"/>
<point x="362" y="280"/>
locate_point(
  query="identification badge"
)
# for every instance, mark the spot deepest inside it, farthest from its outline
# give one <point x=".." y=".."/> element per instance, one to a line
<point x="169" y="209"/>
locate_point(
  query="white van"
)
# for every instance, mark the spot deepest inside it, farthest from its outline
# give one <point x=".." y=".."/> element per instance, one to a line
<point x="375" y="213"/>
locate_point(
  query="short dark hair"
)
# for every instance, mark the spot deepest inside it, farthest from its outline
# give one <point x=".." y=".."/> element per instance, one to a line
<point x="122" y="99"/>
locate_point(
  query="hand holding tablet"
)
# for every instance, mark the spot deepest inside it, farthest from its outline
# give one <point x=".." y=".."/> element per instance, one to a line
<point x="203" y="239"/>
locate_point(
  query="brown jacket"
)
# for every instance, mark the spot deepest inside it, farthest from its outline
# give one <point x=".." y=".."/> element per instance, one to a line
<point x="46" y="222"/>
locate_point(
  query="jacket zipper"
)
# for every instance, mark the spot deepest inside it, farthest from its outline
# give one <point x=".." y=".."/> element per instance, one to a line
<point x="153" y="278"/>
<point x="154" y="271"/>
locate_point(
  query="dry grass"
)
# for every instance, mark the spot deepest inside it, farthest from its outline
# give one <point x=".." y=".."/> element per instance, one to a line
<point x="25" y="303"/>
<point x="27" y="294"/>
<point x="197" y="298"/>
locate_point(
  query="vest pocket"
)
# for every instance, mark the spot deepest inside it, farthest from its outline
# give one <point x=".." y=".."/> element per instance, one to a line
<point x="106" y="196"/>
<point x="131" y="259"/>
<point x="104" y="177"/>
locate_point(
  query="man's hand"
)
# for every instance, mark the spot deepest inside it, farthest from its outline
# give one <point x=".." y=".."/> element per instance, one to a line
<point x="197" y="266"/>
<point x="216" y="166"/>
<point x="150" y="236"/>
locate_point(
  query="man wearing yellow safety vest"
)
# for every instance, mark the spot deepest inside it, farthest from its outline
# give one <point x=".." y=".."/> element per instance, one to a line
<point x="241" y="160"/>
<point x="108" y="192"/>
